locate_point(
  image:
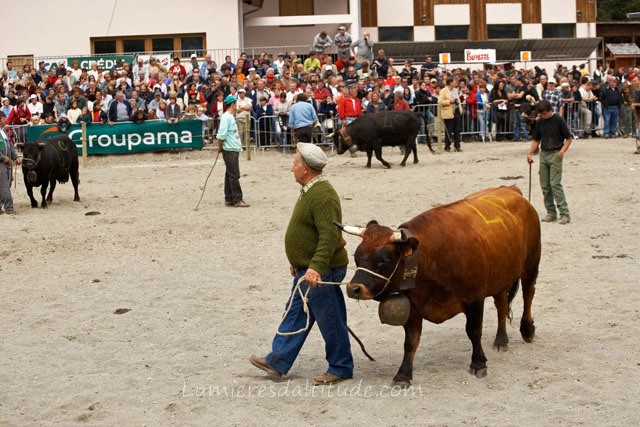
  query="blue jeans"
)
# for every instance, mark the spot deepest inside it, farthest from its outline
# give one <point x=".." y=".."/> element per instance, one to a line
<point x="611" y="115"/>
<point x="327" y="308"/>
<point x="519" y="127"/>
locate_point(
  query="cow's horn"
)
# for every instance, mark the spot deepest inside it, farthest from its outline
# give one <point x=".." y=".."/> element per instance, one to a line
<point x="397" y="236"/>
<point x="356" y="231"/>
<point x="19" y="144"/>
<point x="41" y="144"/>
<point x="331" y="135"/>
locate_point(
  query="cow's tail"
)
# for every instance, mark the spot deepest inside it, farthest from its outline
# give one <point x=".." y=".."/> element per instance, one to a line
<point x="426" y="131"/>
<point x="512" y="294"/>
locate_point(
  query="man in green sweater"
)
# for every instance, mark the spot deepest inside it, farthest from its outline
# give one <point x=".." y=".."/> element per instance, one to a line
<point x="315" y="249"/>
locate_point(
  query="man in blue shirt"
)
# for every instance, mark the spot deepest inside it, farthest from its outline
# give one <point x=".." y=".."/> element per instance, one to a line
<point x="230" y="145"/>
<point x="302" y="118"/>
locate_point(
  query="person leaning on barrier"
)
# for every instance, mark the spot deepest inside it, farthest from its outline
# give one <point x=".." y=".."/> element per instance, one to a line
<point x="120" y="110"/>
<point x="302" y="118"/>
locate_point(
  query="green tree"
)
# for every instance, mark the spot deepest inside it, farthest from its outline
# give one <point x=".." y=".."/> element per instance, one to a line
<point x="616" y="10"/>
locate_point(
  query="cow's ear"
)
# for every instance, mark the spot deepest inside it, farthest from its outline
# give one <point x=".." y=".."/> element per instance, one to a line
<point x="409" y="247"/>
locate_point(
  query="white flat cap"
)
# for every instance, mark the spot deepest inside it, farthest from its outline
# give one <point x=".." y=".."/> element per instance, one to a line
<point x="312" y="155"/>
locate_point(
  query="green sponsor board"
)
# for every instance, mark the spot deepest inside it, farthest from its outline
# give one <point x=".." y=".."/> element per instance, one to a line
<point x="128" y="138"/>
<point x="105" y="61"/>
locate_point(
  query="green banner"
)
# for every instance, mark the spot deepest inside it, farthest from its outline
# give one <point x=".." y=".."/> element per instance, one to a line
<point x="128" y="138"/>
<point x="105" y="61"/>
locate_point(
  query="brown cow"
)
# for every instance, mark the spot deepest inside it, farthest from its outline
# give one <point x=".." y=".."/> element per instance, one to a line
<point x="465" y="251"/>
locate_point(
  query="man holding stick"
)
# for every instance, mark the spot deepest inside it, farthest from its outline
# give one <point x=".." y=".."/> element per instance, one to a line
<point x="230" y="145"/>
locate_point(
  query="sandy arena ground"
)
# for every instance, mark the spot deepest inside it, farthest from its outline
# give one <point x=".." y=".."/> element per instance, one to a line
<point x="206" y="289"/>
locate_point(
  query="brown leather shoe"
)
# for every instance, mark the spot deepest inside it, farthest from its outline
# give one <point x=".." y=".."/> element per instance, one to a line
<point x="241" y="204"/>
<point x="328" y="378"/>
<point x="261" y="363"/>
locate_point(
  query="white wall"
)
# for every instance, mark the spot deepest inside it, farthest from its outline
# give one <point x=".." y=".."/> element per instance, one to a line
<point x="451" y="14"/>
<point x="66" y="29"/>
<point x="504" y="13"/>
<point x="295" y="36"/>
<point x="558" y="11"/>
<point x="531" y="31"/>
<point x="395" y="13"/>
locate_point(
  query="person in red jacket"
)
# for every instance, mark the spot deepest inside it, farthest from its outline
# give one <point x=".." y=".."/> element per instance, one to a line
<point x="349" y="107"/>
<point x="399" y="103"/>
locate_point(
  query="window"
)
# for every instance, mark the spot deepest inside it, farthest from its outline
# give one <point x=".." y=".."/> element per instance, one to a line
<point x="503" y="31"/>
<point x="395" y="34"/>
<point x="452" y="32"/>
<point x="558" y="30"/>
<point x="104" y="46"/>
<point x="162" y="44"/>
<point x="133" y="46"/>
<point x="179" y="44"/>
<point x="192" y="44"/>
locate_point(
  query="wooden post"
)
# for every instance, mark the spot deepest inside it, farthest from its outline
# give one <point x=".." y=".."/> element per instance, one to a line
<point x="247" y="137"/>
<point x="438" y="126"/>
<point x="84" y="144"/>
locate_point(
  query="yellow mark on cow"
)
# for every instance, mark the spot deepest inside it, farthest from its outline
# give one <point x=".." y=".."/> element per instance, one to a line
<point x="497" y="220"/>
<point x="498" y="203"/>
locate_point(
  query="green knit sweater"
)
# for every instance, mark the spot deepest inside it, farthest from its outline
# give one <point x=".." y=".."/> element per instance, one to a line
<point x="312" y="240"/>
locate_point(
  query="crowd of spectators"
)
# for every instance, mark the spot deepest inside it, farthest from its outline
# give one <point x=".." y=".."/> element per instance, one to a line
<point x="340" y="87"/>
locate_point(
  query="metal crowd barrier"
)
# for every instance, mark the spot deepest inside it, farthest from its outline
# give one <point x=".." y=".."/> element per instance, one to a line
<point x="272" y="132"/>
<point x="19" y="133"/>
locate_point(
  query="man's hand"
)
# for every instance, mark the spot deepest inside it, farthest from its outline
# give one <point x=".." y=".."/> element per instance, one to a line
<point x="312" y="277"/>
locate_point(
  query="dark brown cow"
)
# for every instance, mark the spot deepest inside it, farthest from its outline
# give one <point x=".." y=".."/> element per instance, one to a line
<point x="465" y="251"/>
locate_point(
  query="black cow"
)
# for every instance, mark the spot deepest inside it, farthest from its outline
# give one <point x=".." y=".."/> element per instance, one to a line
<point x="48" y="161"/>
<point x="371" y="132"/>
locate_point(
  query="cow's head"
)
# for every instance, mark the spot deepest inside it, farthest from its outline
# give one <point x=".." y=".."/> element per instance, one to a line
<point x="31" y="152"/>
<point x="385" y="259"/>
<point x="343" y="142"/>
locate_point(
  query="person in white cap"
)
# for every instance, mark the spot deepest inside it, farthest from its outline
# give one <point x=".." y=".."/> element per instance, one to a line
<point x="343" y="42"/>
<point x="554" y="96"/>
<point x="316" y="253"/>
<point x="35" y="106"/>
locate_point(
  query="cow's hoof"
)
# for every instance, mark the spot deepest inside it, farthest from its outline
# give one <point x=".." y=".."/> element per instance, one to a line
<point x="500" y="347"/>
<point x="401" y="383"/>
<point x="387" y="165"/>
<point x="415" y="161"/>
<point x="403" y="164"/>
<point x="527" y="332"/>
<point x="44" y="205"/>
<point x="34" y="205"/>
<point x="76" y="199"/>
<point x="478" y="372"/>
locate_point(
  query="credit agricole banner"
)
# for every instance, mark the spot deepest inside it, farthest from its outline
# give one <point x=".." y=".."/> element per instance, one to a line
<point x="128" y="138"/>
<point x="105" y="61"/>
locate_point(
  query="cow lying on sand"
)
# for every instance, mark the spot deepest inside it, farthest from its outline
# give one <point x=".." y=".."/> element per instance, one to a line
<point x="371" y="132"/>
<point x="447" y="260"/>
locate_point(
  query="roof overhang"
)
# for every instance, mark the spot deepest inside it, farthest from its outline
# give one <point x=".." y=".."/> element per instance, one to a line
<point x="507" y="50"/>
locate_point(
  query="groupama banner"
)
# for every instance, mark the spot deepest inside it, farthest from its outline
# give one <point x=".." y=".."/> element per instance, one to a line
<point x="128" y="138"/>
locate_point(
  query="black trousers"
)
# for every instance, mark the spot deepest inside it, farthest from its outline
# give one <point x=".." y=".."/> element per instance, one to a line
<point x="453" y="131"/>
<point x="304" y="134"/>
<point x="232" y="190"/>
